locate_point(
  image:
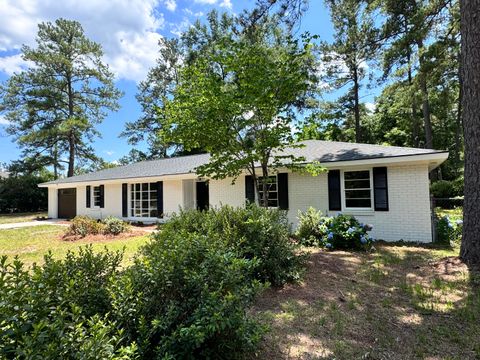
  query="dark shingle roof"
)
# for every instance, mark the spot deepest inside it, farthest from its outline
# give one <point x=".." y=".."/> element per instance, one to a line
<point x="314" y="150"/>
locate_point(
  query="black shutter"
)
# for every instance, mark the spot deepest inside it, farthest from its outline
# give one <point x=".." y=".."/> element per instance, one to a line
<point x="282" y="183"/>
<point x="160" y="199"/>
<point x="249" y="189"/>
<point x="89" y="196"/>
<point x="124" y="200"/>
<point x="334" y="196"/>
<point x="102" y="196"/>
<point x="380" y="188"/>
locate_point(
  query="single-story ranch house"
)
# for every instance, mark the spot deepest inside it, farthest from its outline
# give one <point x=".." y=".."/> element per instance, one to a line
<point x="385" y="186"/>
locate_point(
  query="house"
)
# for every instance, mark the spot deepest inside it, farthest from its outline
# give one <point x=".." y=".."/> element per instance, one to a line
<point x="385" y="186"/>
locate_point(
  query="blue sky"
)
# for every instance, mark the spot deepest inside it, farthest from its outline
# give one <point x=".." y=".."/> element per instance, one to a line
<point x="128" y="31"/>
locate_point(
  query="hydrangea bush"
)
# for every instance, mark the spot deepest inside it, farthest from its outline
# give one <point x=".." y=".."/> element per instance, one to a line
<point x="449" y="231"/>
<point x="337" y="232"/>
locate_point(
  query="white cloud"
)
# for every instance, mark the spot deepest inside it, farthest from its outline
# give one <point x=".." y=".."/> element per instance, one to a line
<point x="12" y="64"/>
<point x="370" y="106"/>
<point x="205" y="2"/>
<point x="178" y="28"/>
<point x="226" y="4"/>
<point x="4" y="121"/>
<point x="171" y="5"/>
<point x="191" y="13"/>
<point x="109" y="152"/>
<point x="127" y="29"/>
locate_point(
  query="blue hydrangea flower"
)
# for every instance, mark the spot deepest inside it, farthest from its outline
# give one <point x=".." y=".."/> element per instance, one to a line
<point x="328" y="245"/>
<point x="339" y="213"/>
<point x="459" y="222"/>
<point x="330" y="236"/>
<point x="450" y="225"/>
<point x="363" y="240"/>
<point x="350" y="230"/>
<point x="367" y="227"/>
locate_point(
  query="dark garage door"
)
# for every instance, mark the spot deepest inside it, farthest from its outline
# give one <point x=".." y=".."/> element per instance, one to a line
<point x="67" y="203"/>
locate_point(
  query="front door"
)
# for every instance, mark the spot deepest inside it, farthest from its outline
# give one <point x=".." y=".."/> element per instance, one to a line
<point x="202" y="195"/>
<point x="67" y="203"/>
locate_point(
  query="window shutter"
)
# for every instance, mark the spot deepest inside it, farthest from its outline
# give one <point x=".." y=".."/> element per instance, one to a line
<point x="249" y="189"/>
<point x="282" y="183"/>
<point x="380" y="188"/>
<point x="124" y="200"/>
<point x="160" y="199"/>
<point x="88" y="193"/>
<point x="334" y="196"/>
<point x="102" y="196"/>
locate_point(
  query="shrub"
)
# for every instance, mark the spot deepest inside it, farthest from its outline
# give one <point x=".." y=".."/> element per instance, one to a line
<point x="447" y="189"/>
<point x="339" y="232"/>
<point x="115" y="226"/>
<point x="186" y="297"/>
<point x="59" y="310"/>
<point x="85" y="225"/>
<point x="310" y="229"/>
<point x="449" y="231"/>
<point x="252" y="232"/>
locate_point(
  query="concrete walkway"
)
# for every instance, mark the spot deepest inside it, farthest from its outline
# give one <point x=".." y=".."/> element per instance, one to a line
<point x="32" y="223"/>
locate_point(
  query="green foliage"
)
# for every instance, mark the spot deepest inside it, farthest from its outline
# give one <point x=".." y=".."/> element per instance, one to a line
<point x="449" y="231"/>
<point x="447" y="189"/>
<point x="20" y="193"/>
<point x="55" y="105"/>
<point x="186" y="296"/>
<point x="338" y="232"/>
<point x="59" y="309"/>
<point x="252" y="232"/>
<point x="114" y="226"/>
<point x="85" y="225"/>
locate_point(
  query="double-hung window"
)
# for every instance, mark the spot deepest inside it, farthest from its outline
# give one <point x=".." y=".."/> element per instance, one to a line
<point x="97" y="196"/>
<point x="358" y="189"/>
<point x="272" y="188"/>
<point x="143" y="200"/>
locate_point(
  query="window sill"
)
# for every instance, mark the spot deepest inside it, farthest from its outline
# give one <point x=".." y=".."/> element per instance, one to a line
<point x="361" y="212"/>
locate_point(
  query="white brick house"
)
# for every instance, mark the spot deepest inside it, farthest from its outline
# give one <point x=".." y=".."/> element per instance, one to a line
<point x="387" y="187"/>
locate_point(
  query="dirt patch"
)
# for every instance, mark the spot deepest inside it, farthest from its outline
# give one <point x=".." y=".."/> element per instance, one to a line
<point x="103" y="237"/>
<point x="401" y="302"/>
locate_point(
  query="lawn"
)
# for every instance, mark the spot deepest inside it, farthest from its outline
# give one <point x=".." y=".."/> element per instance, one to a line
<point x="31" y="243"/>
<point x="401" y="302"/>
<point x="20" y="217"/>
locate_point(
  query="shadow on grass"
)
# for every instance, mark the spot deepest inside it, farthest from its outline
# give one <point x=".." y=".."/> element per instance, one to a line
<point x="400" y="302"/>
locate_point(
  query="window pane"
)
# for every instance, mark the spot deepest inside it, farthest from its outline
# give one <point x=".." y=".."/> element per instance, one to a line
<point x="357" y="184"/>
<point x="272" y="203"/>
<point x="145" y="187"/>
<point x="362" y="203"/>
<point x="153" y="213"/>
<point x="358" y="194"/>
<point x="355" y="175"/>
<point x="137" y="187"/>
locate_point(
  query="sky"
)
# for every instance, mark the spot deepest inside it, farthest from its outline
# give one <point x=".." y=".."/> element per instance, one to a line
<point x="128" y="31"/>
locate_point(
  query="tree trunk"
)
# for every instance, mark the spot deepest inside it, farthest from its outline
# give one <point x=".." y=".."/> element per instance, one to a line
<point x="415" y="125"/>
<point x="470" y="30"/>
<point x="265" y="185"/>
<point x="71" y="154"/>
<point x="425" y="102"/>
<point x="55" y="161"/>
<point x="358" y="134"/>
<point x="458" y="124"/>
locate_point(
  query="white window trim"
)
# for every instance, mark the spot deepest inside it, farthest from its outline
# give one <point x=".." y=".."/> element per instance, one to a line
<point x="344" y="197"/>
<point x="129" y="207"/>
<point x="258" y="200"/>
<point x="92" y="195"/>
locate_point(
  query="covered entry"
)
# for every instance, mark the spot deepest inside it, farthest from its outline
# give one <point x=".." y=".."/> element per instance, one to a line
<point x="67" y="203"/>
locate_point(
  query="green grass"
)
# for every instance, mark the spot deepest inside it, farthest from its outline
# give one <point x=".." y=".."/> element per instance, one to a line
<point x="30" y="244"/>
<point x="20" y="217"/>
<point x="454" y="214"/>
<point x="400" y="302"/>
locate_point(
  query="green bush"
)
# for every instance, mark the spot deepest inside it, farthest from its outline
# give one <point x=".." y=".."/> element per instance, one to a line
<point x="252" y="232"/>
<point x="59" y="310"/>
<point x="447" y="189"/>
<point x="311" y="228"/>
<point x="449" y="231"/>
<point x="186" y="297"/>
<point x="85" y="225"/>
<point x="339" y="232"/>
<point x="115" y="226"/>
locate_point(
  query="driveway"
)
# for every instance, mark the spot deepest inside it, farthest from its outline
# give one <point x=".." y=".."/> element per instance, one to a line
<point x="59" y="222"/>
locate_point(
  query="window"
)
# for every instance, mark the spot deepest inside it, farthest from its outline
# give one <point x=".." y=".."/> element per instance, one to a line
<point x="272" y="189"/>
<point x="143" y="200"/>
<point x="96" y="196"/>
<point x="358" y="189"/>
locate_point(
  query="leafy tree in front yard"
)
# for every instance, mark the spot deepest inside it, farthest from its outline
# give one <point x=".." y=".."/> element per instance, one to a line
<point x="55" y="104"/>
<point x="238" y="97"/>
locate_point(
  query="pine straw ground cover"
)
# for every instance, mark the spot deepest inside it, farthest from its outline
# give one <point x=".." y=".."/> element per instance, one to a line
<point x="402" y="302"/>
